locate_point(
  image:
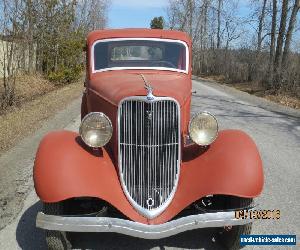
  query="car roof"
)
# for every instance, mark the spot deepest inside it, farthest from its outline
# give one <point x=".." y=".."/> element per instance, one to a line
<point x="137" y="33"/>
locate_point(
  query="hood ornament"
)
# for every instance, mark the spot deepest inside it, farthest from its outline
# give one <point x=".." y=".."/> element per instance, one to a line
<point x="148" y="87"/>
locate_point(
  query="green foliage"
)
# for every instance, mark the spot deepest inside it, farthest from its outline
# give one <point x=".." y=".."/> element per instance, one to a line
<point x="65" y="75"/>
<point x="157" y="23"/>
<point x="68" y="63"/>
<point x="59" y="43"/>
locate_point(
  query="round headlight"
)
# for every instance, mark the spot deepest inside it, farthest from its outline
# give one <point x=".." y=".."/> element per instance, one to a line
<point x="95" y="129"/>
<point x="203" y="128"/>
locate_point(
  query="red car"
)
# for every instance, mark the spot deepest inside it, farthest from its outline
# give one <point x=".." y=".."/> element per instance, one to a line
<point x="140" y="165"/>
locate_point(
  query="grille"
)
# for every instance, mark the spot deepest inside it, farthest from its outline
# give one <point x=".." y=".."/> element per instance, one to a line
<point x="149" y="140"/>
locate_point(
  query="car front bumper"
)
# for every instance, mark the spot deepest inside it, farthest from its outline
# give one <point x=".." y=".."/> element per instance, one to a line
<point x="135" y="229"/>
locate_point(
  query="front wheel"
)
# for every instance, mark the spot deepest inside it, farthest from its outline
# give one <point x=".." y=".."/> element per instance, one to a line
<point x="230" y="239"/>
<point x="56" y="240"/>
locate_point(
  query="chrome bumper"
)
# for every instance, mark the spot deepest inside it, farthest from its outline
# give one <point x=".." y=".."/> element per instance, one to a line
<point x="135" y="229"/>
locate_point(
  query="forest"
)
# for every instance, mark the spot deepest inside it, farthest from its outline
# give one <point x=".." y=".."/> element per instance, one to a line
<point x="45" y="38"/>
<point x="255" y="41"/>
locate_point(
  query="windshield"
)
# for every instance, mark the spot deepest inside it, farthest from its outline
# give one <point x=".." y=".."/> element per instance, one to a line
<point x="149" y="53"/>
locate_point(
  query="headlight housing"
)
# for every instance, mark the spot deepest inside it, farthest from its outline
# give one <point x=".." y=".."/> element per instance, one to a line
<point x="95" y="129"/>
<point x="203" y="128"/>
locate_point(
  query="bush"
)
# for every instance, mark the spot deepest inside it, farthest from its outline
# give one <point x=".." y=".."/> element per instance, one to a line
<point x="64" y="63"/>
<point x="65" y="75"/>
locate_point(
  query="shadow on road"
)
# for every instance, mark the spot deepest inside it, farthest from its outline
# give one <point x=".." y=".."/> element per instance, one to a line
<point x="29" y="237"/>
<point x="228" y="108"/>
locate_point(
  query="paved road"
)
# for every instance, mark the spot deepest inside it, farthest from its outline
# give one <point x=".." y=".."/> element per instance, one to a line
<point x="276" y="131"/>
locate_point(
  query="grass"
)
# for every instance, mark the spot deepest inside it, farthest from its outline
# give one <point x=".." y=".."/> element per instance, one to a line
<point x="37" y="101"/>
<point x="256" y="89"/>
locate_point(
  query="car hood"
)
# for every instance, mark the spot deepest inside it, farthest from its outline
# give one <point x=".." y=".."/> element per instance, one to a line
<point x="113" y="86"/>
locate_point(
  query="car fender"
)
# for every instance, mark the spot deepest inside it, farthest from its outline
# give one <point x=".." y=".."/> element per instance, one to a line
<point x="65" y="168"/>
<point x="231" y="165"/>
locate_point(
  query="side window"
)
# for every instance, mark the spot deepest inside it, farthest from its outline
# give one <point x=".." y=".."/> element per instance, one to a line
<point x="100" y="56"/>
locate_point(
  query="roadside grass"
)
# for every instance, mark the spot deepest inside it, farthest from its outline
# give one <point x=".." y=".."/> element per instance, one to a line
<point x="37" y="100"/>
<point x="256" y="89"/>
<point x="27" y="88"/>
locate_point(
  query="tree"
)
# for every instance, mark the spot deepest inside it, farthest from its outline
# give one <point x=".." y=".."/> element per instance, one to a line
<point x="280" y="38"/>
<point x="157" y="23"/>
<point x="260" y="25"/>
<point x="269" y="82"/>
<point x="59" y="31"/>
<point x="219" y="10"/>
<point x="91" y="15"/>
<point x="289" y="33"/>
<point x="45" y="37"/>
<point x="11" y="51"/>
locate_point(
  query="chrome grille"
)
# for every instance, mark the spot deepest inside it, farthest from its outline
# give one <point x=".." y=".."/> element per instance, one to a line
<point x="149" y="152"/>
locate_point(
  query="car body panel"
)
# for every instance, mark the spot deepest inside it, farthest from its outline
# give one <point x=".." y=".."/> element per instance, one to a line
<point x="105" y="92"/>
<point x="66" y="168"/>
<point x="114" y="86"/>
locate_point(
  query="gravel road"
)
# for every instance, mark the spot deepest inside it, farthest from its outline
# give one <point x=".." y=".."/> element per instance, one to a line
<point x="275" y="129"/>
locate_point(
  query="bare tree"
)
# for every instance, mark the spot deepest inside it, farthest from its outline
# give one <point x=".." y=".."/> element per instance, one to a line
<point x="204" y="27"/>
<point x="280" y="38"/>
<point x="260" y="25"/>
<point x="233" y="24"/>
<point x="191" y="5"/>
<point x="254" y="48"/>
<point x="272" y="45"/>
<point x="93" y="14"/>
<point x="289" y="33"/>
<point x="10" y="49"/>
<point x="29" y="19"/>
<point x="219" y="10"/>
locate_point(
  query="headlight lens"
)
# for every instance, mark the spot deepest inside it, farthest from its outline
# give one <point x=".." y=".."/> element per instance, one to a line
<point x="96" y="129"/>
<point x="203" y="128"/>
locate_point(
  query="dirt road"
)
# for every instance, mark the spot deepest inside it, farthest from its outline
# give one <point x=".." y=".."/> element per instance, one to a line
<point x="275" y="129"/>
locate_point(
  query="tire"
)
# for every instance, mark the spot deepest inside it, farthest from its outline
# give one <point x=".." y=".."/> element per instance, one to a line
<point x="231" y="239"/>
<point x="56" y="240"/>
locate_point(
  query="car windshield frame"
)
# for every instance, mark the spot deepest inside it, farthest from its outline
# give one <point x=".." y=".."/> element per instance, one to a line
<point x="187" y="56"/>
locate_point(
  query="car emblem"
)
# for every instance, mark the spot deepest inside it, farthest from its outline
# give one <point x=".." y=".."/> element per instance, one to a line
<point x="149" y="114"/>
<point x="150" y="202"/>
<point x="148" y="87"/>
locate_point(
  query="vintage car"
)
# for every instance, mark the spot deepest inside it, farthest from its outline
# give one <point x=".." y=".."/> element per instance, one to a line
<point x="140" y="165"/>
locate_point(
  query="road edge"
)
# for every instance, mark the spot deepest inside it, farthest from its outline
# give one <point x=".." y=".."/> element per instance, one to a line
<point x="259" y="101"/>
<point x="22" y="156"/>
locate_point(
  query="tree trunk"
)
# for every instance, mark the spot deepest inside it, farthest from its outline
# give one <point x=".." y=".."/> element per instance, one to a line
<point x="183" y="23"/>
<point x="280" y="38"/>
<point x="272" y="46"/>
<point x="191" y="12"/>
<point x="289" y="33"/>
<point x="30" y="46"/>
<point x="205" y="22"/>
<point x="261" y="19"/>
<point x="219" y="24"/>
<point x="260" y="25"/>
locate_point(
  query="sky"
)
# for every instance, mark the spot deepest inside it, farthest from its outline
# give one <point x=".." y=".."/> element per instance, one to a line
<point x="135" y="13"/>
<point x="139" y="13"/>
